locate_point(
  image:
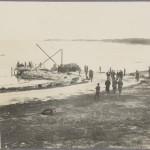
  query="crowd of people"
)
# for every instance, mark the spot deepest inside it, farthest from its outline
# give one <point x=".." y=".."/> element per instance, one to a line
<point x="113" y="74"/>
<point x="114" y="79"/>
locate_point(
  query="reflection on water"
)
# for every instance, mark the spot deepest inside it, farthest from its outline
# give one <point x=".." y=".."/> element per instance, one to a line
<point x="6" y="80"/>
<point x="16" y="82"/>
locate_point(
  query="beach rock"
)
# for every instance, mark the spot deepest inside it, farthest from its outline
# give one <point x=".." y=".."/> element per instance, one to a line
<point x="39" y="85"/>
<point x="65" y="77"/>
<point x="74" y="80"/>
<point x="50" y="85"/>
<point x="68" y="73"/>
<point x="47" y="112"/>
<point x="58" y="84"/>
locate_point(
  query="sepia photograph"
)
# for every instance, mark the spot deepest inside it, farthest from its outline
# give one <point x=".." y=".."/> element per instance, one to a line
<point x="74" y="75"/>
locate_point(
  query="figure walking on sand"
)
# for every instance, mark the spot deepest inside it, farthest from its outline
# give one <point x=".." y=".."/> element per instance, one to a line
<point x="114" y="85"/>
<point x="91" y="75"/>
<point x="86" y="70"/>
<point x="108" y="75"/>
<point x="124" y="71"/>
<point x="120" y="84"/>
<point x="100" y="69"/>
<point x="110" y="70"/>
<point x="97" y="92"/>
<point x="137" y="75"/>
<point x="107" y="84"/>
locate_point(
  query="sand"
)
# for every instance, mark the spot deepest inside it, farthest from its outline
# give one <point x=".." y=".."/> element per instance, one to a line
<point x="115" y="120"/>
<point x="60" y="92"/>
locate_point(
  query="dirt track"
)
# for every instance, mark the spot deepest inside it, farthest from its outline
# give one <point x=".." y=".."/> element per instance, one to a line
<point x="79" y="121"/>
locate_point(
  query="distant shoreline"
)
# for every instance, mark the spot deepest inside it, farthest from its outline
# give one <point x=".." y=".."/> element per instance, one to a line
<point x="141" y="41"/>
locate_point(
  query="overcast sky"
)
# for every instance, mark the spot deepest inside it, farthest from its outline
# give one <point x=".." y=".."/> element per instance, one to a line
<point x="78" y="20"/>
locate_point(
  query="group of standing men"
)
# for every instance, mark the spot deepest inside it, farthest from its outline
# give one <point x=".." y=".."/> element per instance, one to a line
<point x="116" y="82"/>
<point x="119" y="74"/>
<point x="86" y="71"/>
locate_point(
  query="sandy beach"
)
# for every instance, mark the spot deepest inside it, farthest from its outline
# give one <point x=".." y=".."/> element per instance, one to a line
<point x="115" y="120"/>
<point x="59" y="92"/>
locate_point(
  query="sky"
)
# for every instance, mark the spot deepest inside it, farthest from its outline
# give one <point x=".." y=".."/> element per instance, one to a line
<point x="68" y="20"/>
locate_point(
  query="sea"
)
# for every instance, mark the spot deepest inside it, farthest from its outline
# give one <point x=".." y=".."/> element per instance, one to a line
<point x="94" y="54"/>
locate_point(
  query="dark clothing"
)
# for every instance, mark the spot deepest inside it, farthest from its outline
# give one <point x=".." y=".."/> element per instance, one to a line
<point x="114" y="85"/>
<point x="97" y="88"/>
<point x="121" y="74"/>
<point x="86" y="70"/>
<point x="120" y="84"/>
<point x="97" y="92"/>
<point x="137" y="76"/>
<point x="108" y="74"/>
<point x="117" y="74"/>
<point x="91" y="75"/>
<point x="99" y="69"/>
<point x="124" y="72"/>
<point x="107" y="89"/>
<point x="107" y="83"/>
<point x="114" y="89"/>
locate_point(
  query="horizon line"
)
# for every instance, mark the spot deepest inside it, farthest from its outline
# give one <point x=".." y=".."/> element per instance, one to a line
<point x="97" y="39"/>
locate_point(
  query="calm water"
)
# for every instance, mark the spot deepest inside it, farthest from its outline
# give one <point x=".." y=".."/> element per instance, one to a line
<point x="93" y="54"/>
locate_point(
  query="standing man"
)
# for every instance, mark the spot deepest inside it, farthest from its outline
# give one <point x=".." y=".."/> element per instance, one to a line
<point x="107" y="84"/>
<point x="121" y="74"/>
<point x="110" y="70"/>
<point x="137" y="75"/>
<point x="97" y="92"/>
<point x="100" y="69"/>
<point x="120" y="84"/>
<point x="108" y="75"/>
<point x="86" y="70"/>
<point x="114" y="85"/>
<point x="91" y="75"/>
<point x="117" y="75"/>
<point x="124" y="71"/>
